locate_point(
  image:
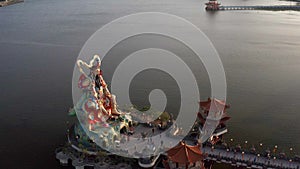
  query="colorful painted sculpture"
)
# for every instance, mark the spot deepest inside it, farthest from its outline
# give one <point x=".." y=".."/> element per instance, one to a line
<point x="97" y="106"/>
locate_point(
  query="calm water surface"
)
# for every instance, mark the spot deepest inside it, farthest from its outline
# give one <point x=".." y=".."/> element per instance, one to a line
<point x="40" y="41"/>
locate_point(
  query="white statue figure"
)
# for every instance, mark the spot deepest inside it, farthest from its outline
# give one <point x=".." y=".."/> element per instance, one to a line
<point x="97" y="106"/>
<point x="89" y="101"/>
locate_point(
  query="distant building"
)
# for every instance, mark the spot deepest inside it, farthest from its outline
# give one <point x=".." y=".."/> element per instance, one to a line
<point x="212" y="5"/>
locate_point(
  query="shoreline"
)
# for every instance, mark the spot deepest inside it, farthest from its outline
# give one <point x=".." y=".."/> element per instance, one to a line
<point x="10" y="2"/>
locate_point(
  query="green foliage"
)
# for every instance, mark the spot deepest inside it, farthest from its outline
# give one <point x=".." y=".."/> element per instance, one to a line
<point x="165" y="116"/>
<point x="145" y="108"/>
<point x="72" y="112"/>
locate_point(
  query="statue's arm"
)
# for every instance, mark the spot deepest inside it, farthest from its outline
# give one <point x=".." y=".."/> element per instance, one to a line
<point x="80" y="63"/>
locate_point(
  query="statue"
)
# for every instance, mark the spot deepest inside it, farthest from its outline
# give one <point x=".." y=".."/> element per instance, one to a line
<point x="97" y="106"/>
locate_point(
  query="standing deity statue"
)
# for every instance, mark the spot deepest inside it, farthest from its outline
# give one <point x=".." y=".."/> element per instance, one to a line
<point x="91" y="85"/>
<point x="97" y="101"/>
<point x="97" y="108"/>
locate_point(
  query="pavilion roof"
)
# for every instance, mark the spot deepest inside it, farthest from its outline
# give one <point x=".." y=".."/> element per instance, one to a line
<point x="225" y="118"/>
<point x="214" y="104"/>
<point x="183" y="153"/>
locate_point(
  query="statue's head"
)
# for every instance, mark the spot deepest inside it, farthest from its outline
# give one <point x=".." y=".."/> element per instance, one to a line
<point x="96" y="61"/>
<point x="95" y="64"/>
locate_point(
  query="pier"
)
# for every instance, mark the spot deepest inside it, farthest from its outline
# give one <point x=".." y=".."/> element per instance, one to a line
<point x="248" y="160"/>
<point x="271" y="8"/>
<point x="214" y="5"/>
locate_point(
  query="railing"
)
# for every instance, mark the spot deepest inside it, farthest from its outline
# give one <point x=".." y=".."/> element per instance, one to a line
<point x="247" y="159"/>
<point x="275" y="7"/>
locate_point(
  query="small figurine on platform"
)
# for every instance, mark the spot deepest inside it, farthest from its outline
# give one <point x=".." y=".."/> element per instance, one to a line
<point x="114" y="110"/>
